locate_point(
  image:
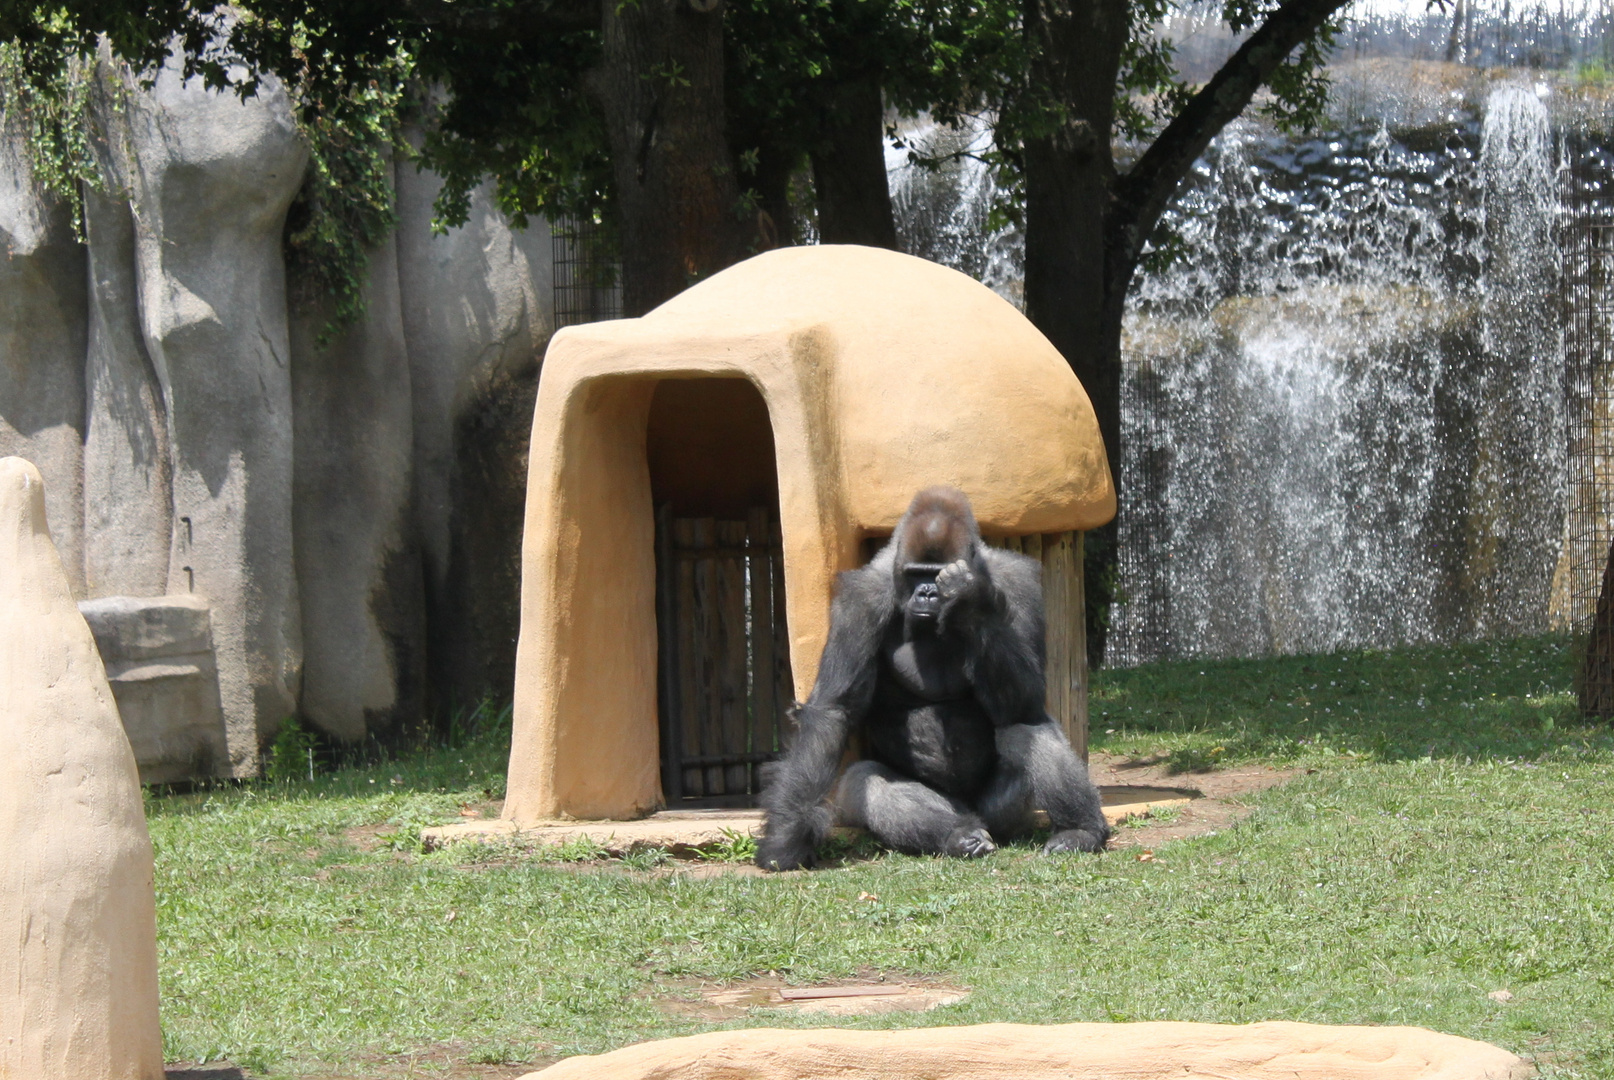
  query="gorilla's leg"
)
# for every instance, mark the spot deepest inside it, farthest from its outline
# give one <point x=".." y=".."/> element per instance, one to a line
<point x="906" y="815"/>
<point x="1006" y="806"/>
<point x="1037" y="769"/>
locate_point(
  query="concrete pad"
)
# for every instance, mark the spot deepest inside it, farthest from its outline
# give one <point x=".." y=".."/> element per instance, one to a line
<point x="682" y="830"/>
<point x="848" y="997"/>
<point x="1277" y="1050"/>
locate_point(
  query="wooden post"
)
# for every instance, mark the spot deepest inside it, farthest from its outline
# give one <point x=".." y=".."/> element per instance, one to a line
<point x="1064" y="604"/>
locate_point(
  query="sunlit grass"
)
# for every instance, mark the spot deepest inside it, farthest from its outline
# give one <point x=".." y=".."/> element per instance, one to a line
<point x="1440" y="851"/>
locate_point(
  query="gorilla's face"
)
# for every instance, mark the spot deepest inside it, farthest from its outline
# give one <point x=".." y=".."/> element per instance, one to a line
<point x="924" y="599"/>
<point x="937" y="530"/>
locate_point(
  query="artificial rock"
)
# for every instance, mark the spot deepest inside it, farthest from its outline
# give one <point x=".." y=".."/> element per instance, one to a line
<point x="478" y="309"/>
<point x="78" y="926"/>
<point x="128" y="494"/>
<point x="211" y="178"/>
<point x="42" y="340"/>
<point x="1160" y="1050"/>
<point x="200" y="439"/>
<point x="158" y="653"/>
<point x="358" y="568"/>
<point x="880" y="374"/>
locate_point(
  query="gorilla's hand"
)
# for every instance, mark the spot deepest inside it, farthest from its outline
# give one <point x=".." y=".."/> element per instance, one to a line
<point x="792" y="843"/>
<point x="1073" y="840"/>
<point x="955" y="580"/>
<point x="957" y="584"/>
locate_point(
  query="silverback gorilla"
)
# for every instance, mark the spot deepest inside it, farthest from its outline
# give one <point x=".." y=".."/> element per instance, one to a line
<point x="935" y="656"/>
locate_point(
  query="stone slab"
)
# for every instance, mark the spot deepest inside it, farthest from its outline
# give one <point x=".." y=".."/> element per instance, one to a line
<point x="158" y="652"/>
<point x="1275" y="1050"/>
<point x="678" y="830"/>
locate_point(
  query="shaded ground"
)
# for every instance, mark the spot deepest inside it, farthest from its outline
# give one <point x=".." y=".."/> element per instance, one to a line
<point x="869" y="993"/>
<point x="1219" y="802"/>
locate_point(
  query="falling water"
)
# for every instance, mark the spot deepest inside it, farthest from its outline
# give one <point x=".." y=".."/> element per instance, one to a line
<point x="1343" y="407"/>
<point x="1343" y="420"/>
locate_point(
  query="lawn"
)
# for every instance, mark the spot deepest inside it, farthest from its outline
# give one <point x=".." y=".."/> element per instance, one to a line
<point x="1448" y="838"/>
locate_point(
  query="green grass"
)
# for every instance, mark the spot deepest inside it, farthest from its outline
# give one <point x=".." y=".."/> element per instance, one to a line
<point x="1440" y="851"/>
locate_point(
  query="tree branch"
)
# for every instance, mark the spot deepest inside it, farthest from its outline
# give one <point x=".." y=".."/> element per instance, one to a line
<point x="1144" y="192"/>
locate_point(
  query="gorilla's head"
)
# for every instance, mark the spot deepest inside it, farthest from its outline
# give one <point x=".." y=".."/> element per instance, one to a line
<point x="939" y="528"/>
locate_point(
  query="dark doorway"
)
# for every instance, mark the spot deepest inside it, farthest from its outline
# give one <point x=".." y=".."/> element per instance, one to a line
<point x="724" y="661"/>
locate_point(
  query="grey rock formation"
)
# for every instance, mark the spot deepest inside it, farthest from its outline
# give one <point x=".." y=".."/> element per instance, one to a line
<point x="478" y="310"/>
<point x="310" y="503"/>
<point x="158" y="653"/>
<point x="128" y="498"/>
<point x="358" y="567"/>
<point x="211" y="178"/>
<point x="42" y="334"/>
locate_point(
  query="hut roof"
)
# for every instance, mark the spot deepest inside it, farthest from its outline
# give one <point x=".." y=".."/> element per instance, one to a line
<point x="923" y="376"/>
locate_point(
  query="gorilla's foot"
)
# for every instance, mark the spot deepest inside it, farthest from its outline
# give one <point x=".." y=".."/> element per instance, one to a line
<point x="1074" y="840"/>
<point x="970" y="842"/>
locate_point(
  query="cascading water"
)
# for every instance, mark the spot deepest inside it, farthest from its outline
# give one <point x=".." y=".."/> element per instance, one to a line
<point x="944" y="213"/>
<point x="1343" y="423"/>
<point x="1343" y="407"/>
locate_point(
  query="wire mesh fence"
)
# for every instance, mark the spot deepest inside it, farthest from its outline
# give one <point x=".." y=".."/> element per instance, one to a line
<point x="1141" y="623"/>
<point x="588" y="279"/>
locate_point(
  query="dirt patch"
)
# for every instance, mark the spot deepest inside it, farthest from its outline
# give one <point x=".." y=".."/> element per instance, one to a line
<point x="868" y="994"/>
<point x="1217" y="803"/>
<point x="369" y="837"/>
<point x="213" y="1070"/>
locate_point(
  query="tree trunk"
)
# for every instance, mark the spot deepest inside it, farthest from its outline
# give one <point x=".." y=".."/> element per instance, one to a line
<point x="1597" y="670"/>
<point x="660" y="87"/>
<point x="849" y="178"/>
<point x="1074" y="293"/>
<point x="1085" y="227"/>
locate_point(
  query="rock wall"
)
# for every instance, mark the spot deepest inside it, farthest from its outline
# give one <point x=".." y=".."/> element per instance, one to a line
<point x="42" y="340"/>
<point x="358" y="558"/>
<point x="481" y="313"/>
<point x="209" y="181"/>
<point x="338" y="503"/>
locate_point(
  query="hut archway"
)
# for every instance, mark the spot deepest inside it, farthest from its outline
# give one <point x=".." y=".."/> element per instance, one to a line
<point x="723" y="658"/>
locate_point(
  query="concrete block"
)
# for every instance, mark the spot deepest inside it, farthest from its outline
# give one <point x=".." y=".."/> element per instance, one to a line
<point x="158" y="653"/>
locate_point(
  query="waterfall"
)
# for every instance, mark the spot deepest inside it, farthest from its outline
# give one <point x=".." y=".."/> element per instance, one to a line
<point x="1343" y="418"/>
<point x="1343" y="423"/>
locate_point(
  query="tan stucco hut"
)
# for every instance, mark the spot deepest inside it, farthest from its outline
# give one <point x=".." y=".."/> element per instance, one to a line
<point x="821" y="386"/>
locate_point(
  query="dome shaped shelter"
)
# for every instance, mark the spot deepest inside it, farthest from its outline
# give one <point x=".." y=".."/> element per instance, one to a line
<point x="750" y="437"/>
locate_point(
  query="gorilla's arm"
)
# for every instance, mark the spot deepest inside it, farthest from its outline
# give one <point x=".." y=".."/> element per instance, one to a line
<point x="797" y="818"/>
<point x="998" y="617"/>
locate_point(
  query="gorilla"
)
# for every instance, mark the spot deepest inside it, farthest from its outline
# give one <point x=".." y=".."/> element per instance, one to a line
<point x="934" y="657"/>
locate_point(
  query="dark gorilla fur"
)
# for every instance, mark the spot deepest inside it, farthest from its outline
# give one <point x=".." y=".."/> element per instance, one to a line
<point x="935" y="657"/>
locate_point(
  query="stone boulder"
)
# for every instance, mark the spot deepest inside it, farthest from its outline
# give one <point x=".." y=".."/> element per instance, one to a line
<point x="78" y="926"/>
<point x="1277" y="1050"/>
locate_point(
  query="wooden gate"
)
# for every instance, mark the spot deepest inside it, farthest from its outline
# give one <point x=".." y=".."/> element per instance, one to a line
<point x="724" y="663"/>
